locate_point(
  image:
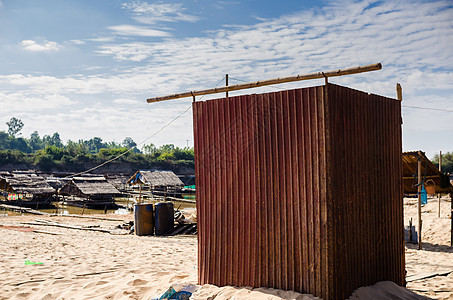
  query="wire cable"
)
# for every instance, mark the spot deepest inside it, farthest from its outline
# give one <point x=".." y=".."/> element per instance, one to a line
<point x="428" y="108"/>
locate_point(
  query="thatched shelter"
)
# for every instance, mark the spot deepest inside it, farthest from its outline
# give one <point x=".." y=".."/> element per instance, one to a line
<point x="156" y="179"/>
<point x="119" y="181"/>
<point x="92" y="191"/>
<point x="28" y="187"/>
<point x="428" y="172"/>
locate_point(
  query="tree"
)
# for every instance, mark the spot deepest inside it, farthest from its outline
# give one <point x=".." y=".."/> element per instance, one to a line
<point x="35" y="141"/>
<point x="128" y="142"/>
<point x="95" y="144"/>
<point x="149" y="149"/>
<point x="14" y="126"/>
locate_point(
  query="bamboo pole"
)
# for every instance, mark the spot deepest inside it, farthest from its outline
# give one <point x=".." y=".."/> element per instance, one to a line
<point x="440" y="170"/>
<point x="399" y="92"/>
<point x="451" y="216"/>
<point x="256" y="84"/>
<point x="419" y="171"/>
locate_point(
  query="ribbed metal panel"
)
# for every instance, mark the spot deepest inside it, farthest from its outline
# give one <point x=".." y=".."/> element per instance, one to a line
<point x="366" y="189"/>
<point x="299" y="190"/>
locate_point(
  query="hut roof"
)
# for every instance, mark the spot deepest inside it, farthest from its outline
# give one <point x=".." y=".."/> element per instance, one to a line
<point x="155" y="178"/>
<point x="117" y="180"/>
<point x="428" y="170"/>
<point x="88" y="186"/>
<point x="26" y="184"/>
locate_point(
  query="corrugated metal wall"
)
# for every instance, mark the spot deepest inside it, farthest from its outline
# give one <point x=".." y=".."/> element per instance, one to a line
<point x="366" y="189"/>
<point x="294" y="188"/>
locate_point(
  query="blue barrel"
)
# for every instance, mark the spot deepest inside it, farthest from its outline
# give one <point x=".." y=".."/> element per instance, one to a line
<point x="165" y="217"/>
<point x="144" y="219"/>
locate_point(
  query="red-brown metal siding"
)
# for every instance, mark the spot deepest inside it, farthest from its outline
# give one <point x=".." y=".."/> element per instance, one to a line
<point x="366" y="188"/>
<point x="290" y="194"/>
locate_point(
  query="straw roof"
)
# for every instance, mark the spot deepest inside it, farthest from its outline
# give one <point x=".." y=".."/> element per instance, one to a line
<point x="26" y="184"/>
<point x="117" y="180"/>
<point x="88" y="186"/>
<point x="428" y="171"/>
<point x="155" y="178"/>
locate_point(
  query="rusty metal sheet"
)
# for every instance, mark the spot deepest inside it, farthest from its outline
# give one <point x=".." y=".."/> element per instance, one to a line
<point x="300" y="190"/>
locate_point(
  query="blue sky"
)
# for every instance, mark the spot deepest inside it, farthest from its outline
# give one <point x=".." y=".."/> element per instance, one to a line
<point x="85" y="68"/>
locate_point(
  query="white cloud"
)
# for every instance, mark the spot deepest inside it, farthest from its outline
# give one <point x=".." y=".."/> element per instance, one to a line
<point x="128" y="101"/>
<point x="77" y="42"/>
<point x="131" y="30"/>
<point x="131" y="51"/>
<point x="148" y="13"/>
<point x="102" y="39"/>
<point x="31" y="45"/>
<point x="19" y="102"/>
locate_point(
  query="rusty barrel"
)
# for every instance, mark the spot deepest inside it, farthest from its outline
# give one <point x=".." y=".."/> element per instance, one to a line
<point x="144" y="219"/>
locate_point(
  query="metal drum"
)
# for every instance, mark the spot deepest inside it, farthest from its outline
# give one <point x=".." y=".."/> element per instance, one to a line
<point x="164" y="217"/>
<point x="144" y="219"/>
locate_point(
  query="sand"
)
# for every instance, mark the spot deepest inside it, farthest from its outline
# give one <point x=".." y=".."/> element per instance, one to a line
<point x="80" y="264"/>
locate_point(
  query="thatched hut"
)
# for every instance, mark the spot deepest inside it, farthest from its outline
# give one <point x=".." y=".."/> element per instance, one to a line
<point x="89" y="191"/>
<point x="26" y="189"/>
<point x="429" y="172"/>
<point x="164" y="183"/>
<point x="156" y="179"/>
<point x="119" y="181"/>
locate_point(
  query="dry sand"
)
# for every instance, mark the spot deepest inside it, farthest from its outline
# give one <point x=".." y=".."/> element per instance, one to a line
<point x="94" y="265"/>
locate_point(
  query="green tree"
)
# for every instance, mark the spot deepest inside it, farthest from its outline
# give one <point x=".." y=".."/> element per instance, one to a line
<point x="128" y="142"/>
<point x="95" y="144"/>
<point x="20" y="144"/>
<point x="184" y="153"/>
<point x="35" y="142"/>
<point x="5" y="140"/>
<point x="150" y="149"/>
<point x="14" y="126"/>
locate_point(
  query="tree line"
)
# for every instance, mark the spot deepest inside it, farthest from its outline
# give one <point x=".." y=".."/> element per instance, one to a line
<point x="49" y="152"/>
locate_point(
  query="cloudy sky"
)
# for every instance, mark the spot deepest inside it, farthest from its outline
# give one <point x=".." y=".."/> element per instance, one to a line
<point x="86" y="68"/>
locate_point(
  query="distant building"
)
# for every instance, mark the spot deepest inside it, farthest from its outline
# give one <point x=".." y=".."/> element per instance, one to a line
<point x="89" y="191"/>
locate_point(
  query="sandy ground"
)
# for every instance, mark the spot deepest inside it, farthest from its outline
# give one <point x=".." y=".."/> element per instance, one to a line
<point x="436" y="255"/>
<point x="79" y="264"/>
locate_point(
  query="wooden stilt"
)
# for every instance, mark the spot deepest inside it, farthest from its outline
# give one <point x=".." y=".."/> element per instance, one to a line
<point x="440" y="170"/>
<point x="451" y="216"/>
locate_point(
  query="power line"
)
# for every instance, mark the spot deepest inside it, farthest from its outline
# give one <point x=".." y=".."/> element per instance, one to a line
<point x="427" y="108"/>
<point x="408" y="106"/>
<point x="130" y="149"/>
<point x="142" y="142"/>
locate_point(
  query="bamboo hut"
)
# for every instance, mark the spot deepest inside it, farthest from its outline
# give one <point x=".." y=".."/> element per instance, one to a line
<point x="95" y="192"/>
<point x="429" y="172"/>
<point x="26" y="189"/>
<point x="119" y="181"/>
<point x="162" y="183"/>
